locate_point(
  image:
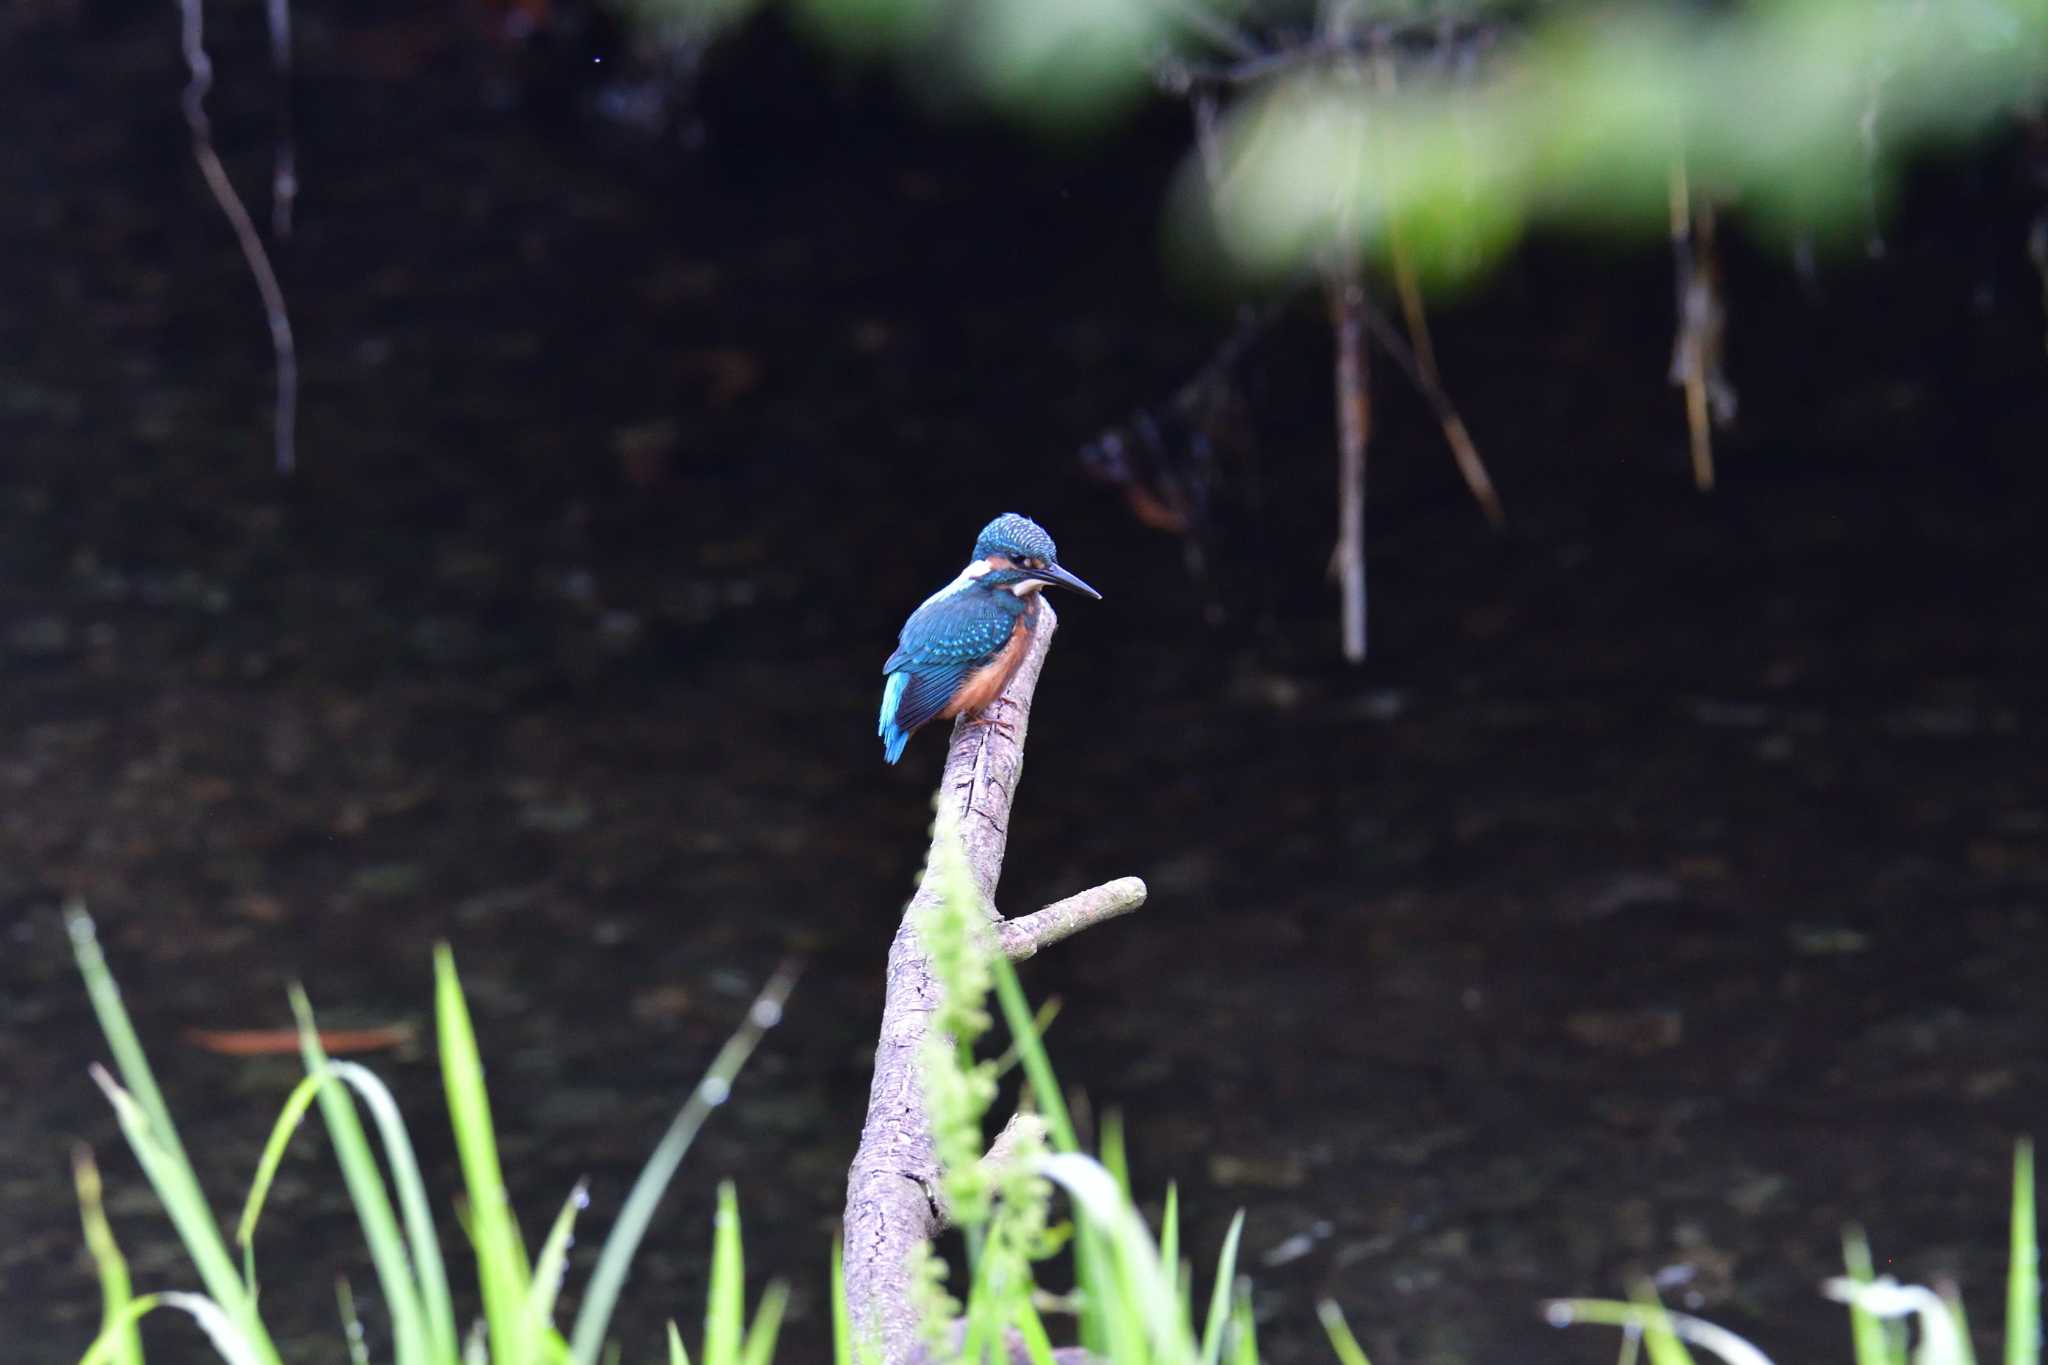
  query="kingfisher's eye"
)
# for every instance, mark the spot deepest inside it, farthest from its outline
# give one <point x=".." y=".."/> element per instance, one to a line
<point x="1033" y="562"/>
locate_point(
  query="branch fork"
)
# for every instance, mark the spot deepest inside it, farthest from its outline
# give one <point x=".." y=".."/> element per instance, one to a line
<point x="893" y="1200"/>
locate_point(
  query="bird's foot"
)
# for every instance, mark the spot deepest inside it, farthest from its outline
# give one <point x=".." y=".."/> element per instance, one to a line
<point x="988" y="720"/>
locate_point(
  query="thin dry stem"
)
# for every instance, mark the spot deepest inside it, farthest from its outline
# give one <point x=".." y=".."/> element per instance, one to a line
<point x="1424" y="372"/>
<point x="284" y="174"/>
<point x="1463" y="452"/>
<point x="284" y="352"/>
<point x="1354" y="428"/>
<point x="1696" y="350"/>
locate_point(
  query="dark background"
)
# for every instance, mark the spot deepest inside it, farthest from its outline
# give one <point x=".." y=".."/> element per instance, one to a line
<point x="1666" y="890"/>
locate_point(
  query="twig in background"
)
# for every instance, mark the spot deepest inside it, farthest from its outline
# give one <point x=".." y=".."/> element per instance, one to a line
<point x="282" y="1042"/>
<point x="284" y="173"/>
<point x="1402" y="354"/>
<point x="1354" y="428"/>
<point x="636" y="1215"/>
<point x="1214" y="29"/>
<point x="1348" y="41"/>
<point x="1170" y="460"/>
<point x="1702" y="324"/>
<point x="1424" y="372"/>
<point x="284" y="353"/>
<point x="1164" y="457"/>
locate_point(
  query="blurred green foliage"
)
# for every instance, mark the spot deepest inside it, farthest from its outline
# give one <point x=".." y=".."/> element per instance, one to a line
<point x="1456" y="124"/>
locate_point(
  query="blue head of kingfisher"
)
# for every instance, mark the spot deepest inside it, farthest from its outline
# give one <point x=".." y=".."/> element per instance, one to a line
<point x="959" y="650"/>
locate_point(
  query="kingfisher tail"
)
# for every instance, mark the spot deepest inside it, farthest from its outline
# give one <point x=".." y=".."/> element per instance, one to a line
<point x="893" y="736"/>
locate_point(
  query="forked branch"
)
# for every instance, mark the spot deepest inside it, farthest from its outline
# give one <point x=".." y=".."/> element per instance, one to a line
<point x="893" y="1199"/>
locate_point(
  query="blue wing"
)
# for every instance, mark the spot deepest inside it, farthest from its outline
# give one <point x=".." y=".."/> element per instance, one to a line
<point x="943" y="641"/>
<point x="961" y="627"/>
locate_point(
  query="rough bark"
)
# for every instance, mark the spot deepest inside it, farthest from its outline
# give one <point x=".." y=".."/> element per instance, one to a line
<point x="893" y="1199"/>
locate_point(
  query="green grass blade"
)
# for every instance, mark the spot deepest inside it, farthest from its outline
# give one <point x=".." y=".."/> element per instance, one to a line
<point x="129" y="1059"/>
<point x="501" y="1270"/>
<point x="229" y="1341"/>
<point x="1349" y="1352"/>
<point x="1148" y="1297"/>
<point x="103" y="1347"/>
<point x="677" y="1355"/>
<point x="116" y="1290"/>
<point x="1169" y="1232"/>
<point x="985" y="1317"/>
<point x="1031" y="1051"/>
<point x="1006" y="1060"/>
<point x="351" y="1322"/>
<point x="1094" y="1289"/>
<point x="1660" y="1342"/>
<point x="1115" y="1300"/>
<point x="1875" y="1342"/>
<point x="1650" y="1318"/>
<point x="1900" y="1305"/>
<point x="622" y="1243"/>
<point x="1219" y="1295"/>
<point x="1244" y="1330"/>
<point x="2023" y="1272"/>
<point x="1037" y="1344"/>
<point x="538" y="1310"/>
<point x="175" y="1189"/>
<point x="842" y="1315"/>
<point x="1952" y="1299"/>
<point x="760" y="1347"/>
<point x="1115" y="1158"/>
<point x="725" y="1307"/>
<point x="1092" y="1272"/>
<point x="365" y="1182"/>
<point x="429" y="1270"/>
<point x="171" y="1174"/>
<point x="294" y="1112"/>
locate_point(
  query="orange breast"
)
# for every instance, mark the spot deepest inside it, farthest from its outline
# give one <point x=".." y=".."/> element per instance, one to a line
<point x="986" y="683"/>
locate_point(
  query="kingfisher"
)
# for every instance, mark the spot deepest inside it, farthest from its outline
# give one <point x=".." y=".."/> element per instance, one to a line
<point x="960" y="649"/>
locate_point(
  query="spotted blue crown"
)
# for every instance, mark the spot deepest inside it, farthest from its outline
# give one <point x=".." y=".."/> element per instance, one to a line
<point x="1016" y="536"/>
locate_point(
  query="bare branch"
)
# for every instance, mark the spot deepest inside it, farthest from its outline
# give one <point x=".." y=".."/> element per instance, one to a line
<point x="1354" y="428"/>
<point x="1424" y="372"/>
<point x="893" y="1202"/>
<point x="285" y="354"/>
<point x="1696" y="351"/>
<point x="1028" y="934"/>
<point x="1023" y="1127"/>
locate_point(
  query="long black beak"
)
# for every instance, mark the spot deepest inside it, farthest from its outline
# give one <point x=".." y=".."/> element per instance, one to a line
<point x="1053" y="573"/>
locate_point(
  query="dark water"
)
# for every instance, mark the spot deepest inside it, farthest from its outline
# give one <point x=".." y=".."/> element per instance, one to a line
<point x="1666" y="891"/>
